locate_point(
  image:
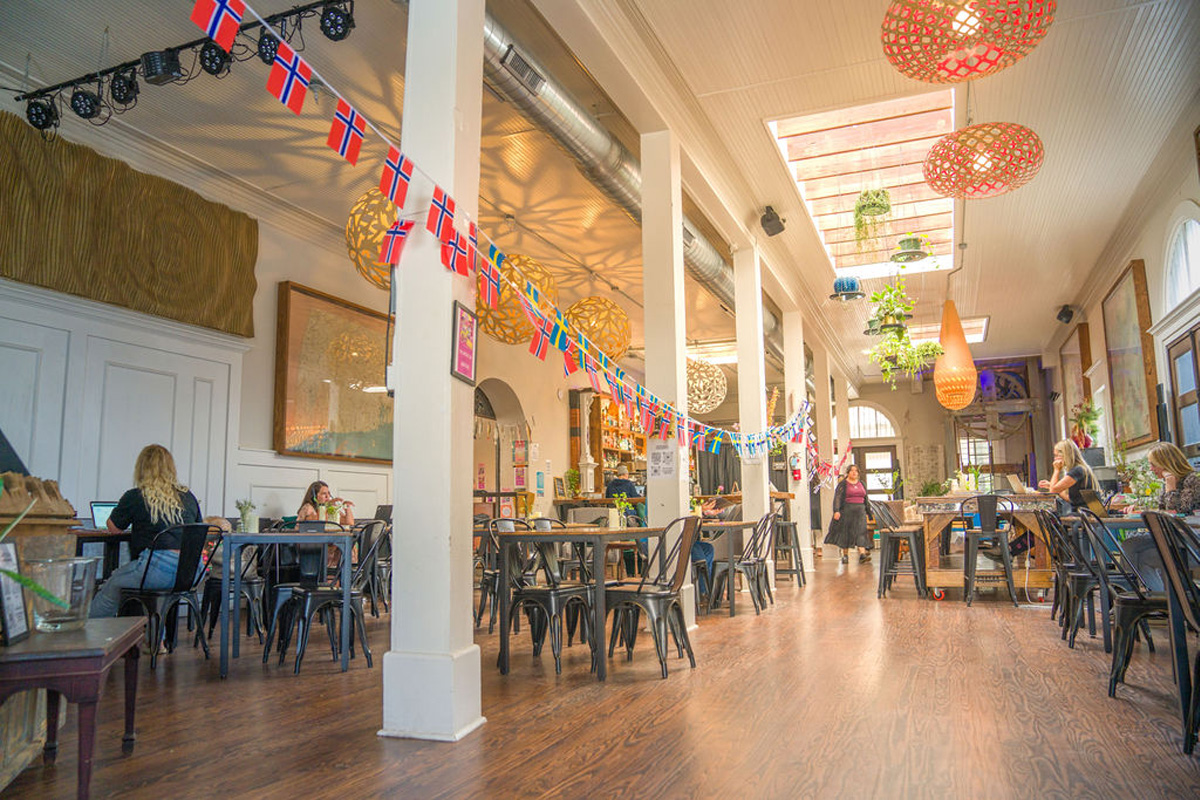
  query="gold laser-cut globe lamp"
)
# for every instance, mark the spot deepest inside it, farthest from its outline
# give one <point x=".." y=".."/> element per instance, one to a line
<point x="706" y="386"/>
<point x="370" y="217"/>
<point x="507" y="322"/>
<point x="603" y="322"/>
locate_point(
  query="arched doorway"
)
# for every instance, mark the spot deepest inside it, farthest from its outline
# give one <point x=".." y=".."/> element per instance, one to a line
<point x="499" y="425"/>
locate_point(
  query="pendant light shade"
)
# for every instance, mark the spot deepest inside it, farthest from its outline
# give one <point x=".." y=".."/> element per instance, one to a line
<point x="983" y="160"/>
<point x="947" y="41"/>
<point x="954" y="374"/>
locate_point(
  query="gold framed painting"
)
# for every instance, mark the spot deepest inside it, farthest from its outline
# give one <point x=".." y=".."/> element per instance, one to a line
<point x="331" y="400"/>
<point x="1130" y="351"/>
<point x="1074" y="358"/>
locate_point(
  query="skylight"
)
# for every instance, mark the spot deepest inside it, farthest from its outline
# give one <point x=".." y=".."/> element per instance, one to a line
<point x="835" y="155"/>
<point x="975" y="329"/>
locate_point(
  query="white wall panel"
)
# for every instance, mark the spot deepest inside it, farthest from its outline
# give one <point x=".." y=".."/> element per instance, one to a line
<point x="33" y="361"/>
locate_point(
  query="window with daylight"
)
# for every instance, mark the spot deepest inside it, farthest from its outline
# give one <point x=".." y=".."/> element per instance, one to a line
<point x="867" y="423"/>
<point x="974" y="452"/>
<point x="1183" y="263"/>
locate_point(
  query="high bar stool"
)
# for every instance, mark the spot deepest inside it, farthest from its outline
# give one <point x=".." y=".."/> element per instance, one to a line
<point x="891" y="534"/>
<point x="787" y="540"/>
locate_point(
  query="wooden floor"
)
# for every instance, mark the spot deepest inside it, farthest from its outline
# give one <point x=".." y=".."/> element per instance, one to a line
<point x="831" y="693"/>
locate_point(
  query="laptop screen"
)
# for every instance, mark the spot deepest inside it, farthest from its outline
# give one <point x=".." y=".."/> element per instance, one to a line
<point x="383" y="512"/>
<point x="101" y="509"/>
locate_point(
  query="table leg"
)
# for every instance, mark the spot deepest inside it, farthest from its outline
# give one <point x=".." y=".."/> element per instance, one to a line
<point x="502" y="598"/>
<point x="226" y="561"/>
<point x="731" y="575"/>
<point x="50" y="751"/>
<point x="1179" y="650"/>
<point x="235" y="605"/>
<point x="131" y="682"/>
<point x="112" y="557"/>
<point x="347" y="546"/>
<point x="599" y="612"/>
<point x="87" y="744"/>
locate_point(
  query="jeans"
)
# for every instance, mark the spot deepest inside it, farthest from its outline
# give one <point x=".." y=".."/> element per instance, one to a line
<point x="163" y="566"/>
<point x="703" y="551"/>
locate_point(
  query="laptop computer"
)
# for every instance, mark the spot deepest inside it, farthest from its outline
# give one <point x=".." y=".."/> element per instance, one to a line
<point x="1017" y="486"/>
<point x="101" y="510"/>
<point x="383" y="512"/>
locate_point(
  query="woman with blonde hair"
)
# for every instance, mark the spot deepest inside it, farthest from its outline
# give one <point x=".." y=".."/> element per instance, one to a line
<point x="158" y="501"/>
<point x="1180" y="495"/>
<point x="1071" y="474"/>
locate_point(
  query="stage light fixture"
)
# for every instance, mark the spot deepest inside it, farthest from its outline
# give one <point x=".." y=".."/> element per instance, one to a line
<point x="160" y="67"/>
<point x="336" y="22"/>
<point x="42" y="114"/>
<point x="85" y="104"/>
<point x="214" y="60"/>
<point x="123" y="88"/>
<point x="268" y="46"/>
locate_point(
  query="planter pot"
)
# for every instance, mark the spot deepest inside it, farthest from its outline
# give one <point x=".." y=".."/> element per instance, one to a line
<point x="72" y="580"/>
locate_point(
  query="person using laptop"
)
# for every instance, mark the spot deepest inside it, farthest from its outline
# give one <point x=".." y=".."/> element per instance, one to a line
<point x="156" y="502"/>
<point x="1180" y="495"/>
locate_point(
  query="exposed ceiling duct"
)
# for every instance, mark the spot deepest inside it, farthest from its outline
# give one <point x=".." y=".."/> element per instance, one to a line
<point x="516" y="76"/>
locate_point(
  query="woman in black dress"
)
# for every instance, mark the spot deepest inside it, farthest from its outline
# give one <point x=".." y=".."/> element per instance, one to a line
<point x="849" y="526"/>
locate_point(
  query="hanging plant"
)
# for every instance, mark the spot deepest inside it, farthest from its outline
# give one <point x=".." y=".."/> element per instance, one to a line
<point x="870" y="212"/>
<point x="892" y="308"/>
<point x="912" y="247"/>
<point x="896" y="354"/>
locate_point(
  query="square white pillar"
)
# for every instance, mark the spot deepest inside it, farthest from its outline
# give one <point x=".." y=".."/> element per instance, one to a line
<point x="431" y="675"/>
<point x="823" y="418"/>
<point x="795" y="394"/>
<point x="665" y="324"/>
<point x="752" y="384"/>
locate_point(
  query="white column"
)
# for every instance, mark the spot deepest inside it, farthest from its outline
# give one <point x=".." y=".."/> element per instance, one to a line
<point x="823" y="417"/>
<point x="795" y="393"/>
<point x="842" y="401"/>
<point x="751" y="376"/>
<point x="665" y="323"/>
<point x="431" y="675"/>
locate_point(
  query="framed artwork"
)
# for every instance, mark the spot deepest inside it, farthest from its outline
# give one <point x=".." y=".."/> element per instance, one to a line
<point x="463" y="344"/>
<point x="1130" y="350"/>
<point x="1074" y="357"/>
<point x="560" y="489"/>
<point x="1196" y="137"/>
<point x="14" y="624"/>
<point x="331" y="398"/>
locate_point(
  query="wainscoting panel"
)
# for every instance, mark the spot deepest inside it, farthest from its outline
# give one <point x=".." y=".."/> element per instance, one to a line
<point x="277" y="483"/>
<point x="33" y="361"/>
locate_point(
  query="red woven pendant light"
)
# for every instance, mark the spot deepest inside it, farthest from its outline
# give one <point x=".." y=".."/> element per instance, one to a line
<point x="947" y="41"/>
<point x="954" y="374"/>
<point x="983" y="160"/>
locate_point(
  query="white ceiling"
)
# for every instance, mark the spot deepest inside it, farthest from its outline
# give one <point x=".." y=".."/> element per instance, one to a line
<point x="1102" y="91"/>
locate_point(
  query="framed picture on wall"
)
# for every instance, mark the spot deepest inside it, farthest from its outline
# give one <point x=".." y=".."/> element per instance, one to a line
<point x="14" y="624"/>
<point x="560" y="489"/>
<point x="464" y="343"/>
<point x="331" y="398"/>
<point x="1074" y="357"/>
<point x="1130" y="351"/>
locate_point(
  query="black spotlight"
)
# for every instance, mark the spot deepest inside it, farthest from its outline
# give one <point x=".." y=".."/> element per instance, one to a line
<point x="336" y="22"/>
<point x="1065" y="315"/>
<point x="268" y="46"/>
<point x="160" y="67"/>
<point x="213" y="59"/>
<point x="41" y="114"/>
<point x="85" y="104"/>
<point x="772" y="225"/>
<point x="123" y="89"/>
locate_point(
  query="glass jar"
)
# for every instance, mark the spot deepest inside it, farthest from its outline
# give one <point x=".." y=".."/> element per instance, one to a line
<point x="72" y="580"/>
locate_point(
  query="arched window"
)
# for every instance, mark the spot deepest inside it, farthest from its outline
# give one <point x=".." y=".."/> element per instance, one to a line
<point x="868" y="423"/>
<point x="1183" y="263"/>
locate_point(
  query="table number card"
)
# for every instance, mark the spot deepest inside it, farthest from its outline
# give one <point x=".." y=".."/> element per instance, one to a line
<point x="14" y="624"/>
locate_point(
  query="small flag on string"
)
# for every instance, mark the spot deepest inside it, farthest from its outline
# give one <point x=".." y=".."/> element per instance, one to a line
<point x="441" y="215"/>
<point x="532" y="292"/>
<point x="290" y="77"/>
<point x="393" y="241"/>
<point x="347" y="132"/>
<point x="698" y="438"/>
<point x="489" y="284"/>
<point x="541" y="340"/>
<point x="569" y="365"/>
<point x="681" y="431"/>
<point x="219" y="19"/>
<point x="454" y="254"/>
<point x="593" y="378"/>
<point x="558" y="335"/>
<point x="472" y="246"/>
<point x="397" y="174"/>
<point x="715" y="446"/>
<point x="495" y="257"/>
<point x="662" y="428"/>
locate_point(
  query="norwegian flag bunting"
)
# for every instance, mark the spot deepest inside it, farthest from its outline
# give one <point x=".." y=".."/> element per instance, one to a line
<point x="441" y="215"/>
<point x="681" y="432"/>
<point x="489" y="284"/>
<point x="397" y="173"/>
<point x="472" y="246"/>
<point x="393" y="241"/>
<point x="290" y="77"/>
<point x="645" y="416"/>
<point x="569" y="365"/>
<point x="593" y="378"/>
<point x="219" y="19"/>
<point x="347" y="132"/>
<point x="662" y="429"/>
<point x="541" y="340"/>
<point x="698" y="438"/>
<point x="454" y="254"/>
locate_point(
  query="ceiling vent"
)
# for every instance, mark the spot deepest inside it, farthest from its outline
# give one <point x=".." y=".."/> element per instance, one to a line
<point x="521" y="70"/>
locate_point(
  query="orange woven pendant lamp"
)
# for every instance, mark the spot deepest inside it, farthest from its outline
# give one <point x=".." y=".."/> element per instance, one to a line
<point x="954" y="374"/>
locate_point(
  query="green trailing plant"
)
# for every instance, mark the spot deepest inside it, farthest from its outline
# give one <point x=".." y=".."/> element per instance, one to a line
<point x="892" y="301"/>
<point x="932" y="489"/>
<point x="571" y="478"/>
<point x="896" y="354"/>
<point x="871" y="210"/>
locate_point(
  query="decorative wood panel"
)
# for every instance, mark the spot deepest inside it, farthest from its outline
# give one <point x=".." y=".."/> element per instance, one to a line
<point x="91" y="226"/>
<point x="33" y="361"/>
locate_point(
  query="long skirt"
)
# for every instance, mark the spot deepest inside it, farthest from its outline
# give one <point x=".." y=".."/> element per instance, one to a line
<point x="851" y="529"/>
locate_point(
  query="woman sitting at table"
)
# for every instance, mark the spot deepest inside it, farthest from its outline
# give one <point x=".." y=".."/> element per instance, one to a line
<point x="157" y="502"/>
<point x="316" y="498"/>
<point x="1180" y="495"/>
<point x="1071" y="474"/>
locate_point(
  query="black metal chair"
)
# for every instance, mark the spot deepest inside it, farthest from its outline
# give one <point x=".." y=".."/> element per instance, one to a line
<point x="658" y="597"/>
<point x="988" y="507"/>
<point x="1179" y="548"/>
<point x="367" y="533"/>
<point x="488" y="554"/>
<point x="252" y="592"/>
<point x="161" y="606"/>
<point x="1060" y="559"/>
<point x="891" y="535"/>
<point x="787" y="540"/>
<point x="752" y="565"/>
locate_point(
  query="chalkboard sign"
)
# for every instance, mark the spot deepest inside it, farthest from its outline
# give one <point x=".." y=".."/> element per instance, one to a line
<point x="14" y="625"/>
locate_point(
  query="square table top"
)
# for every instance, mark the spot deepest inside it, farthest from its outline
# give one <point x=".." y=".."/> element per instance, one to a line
<point x="97" y="638"/>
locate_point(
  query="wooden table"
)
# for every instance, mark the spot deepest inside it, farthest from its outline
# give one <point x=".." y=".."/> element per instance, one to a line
<point x="719" y="527"/>
<point x="598" y="538"/>
<point x="74" y="665"/>
<point x="234" y="542"/>
<point x="111" y="541"/>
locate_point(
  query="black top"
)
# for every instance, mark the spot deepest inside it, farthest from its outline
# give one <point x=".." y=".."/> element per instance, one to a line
<point x="1073" y="493"/>
<point x="131" y="510"/>
<point x="621" y="486"/>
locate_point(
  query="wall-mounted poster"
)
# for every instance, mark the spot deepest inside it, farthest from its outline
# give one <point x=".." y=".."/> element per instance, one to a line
<point x="1131" y="370"/>
<point x="462" y="347"/>
<point x="520" y="453"/>
<point x="330" y="395"/>
<point x="541" y="484"/>
<point x="519" y="479"/>
<point x="1074" y="357"/>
